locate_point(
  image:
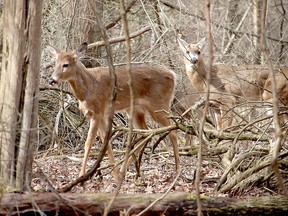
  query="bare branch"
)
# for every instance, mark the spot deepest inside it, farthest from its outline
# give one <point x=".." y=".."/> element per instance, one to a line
<point x="236" y="33"/>
<point x="278" y="133"/>
<point x="111" y="41"/>
<point x="121" y="38"/>
<point x="117" y="19"/>
<point x="123" y="12"/>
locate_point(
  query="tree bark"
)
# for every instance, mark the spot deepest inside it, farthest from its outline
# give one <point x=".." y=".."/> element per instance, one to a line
<point x="179" y="203"/>
<point x="92" y="32"/>
<point x="19" y="89"/>
<point x="257" y="5"/>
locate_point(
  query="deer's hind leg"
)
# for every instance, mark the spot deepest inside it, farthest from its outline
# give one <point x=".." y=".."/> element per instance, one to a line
<point x="160" y="116"/>
<point x="218" y="116"/>
<point x="139" y="122"/>
<point x="223" y="117"/>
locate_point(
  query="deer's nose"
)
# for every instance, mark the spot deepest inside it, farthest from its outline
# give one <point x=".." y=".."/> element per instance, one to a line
<point x="194" y="60"/>
<point x="52" y="81"/>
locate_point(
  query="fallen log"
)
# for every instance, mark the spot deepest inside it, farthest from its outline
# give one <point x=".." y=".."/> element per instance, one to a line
<point x="178" y="203"/>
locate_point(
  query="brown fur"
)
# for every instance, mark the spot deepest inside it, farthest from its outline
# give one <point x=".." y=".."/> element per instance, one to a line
<point x="230" y="85"/>
<point x="153" y="91"/>
<point x="281" y="78"/>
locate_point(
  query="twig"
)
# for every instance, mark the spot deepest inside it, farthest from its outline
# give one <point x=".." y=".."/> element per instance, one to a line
<point x="117" y="19"/>
<point x="122" y="174"/>
<point x="278" y="133"/>
<point x="228" y="46"/>
<point x="192" y="13"/>
<point x="251" y="171"/>
<point x="233" y="165"/>
<point x="195" y="106"/>
<point x="205" y="110"/>
<point x="111" y="41"/>
<point x="209" y="133"/>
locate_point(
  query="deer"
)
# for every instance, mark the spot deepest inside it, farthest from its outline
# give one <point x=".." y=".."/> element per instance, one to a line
<point x="281" y="79"/>
<point x="229" y="85"/>
<point x="154" y="88"/>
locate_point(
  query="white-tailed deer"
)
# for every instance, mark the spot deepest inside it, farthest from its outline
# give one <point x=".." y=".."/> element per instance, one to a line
<point x="153" y="92"/>
<point x="229" y="84"/>
<point x="281" y="78"/>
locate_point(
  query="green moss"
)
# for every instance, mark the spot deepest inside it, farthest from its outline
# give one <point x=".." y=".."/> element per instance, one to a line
<point x="5" y="188"/>
<point x="101" y="197"/>
<point x="193" y="197"/>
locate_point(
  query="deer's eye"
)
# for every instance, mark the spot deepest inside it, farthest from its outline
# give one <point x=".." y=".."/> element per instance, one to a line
<point x="187" y="52"/>
<point x="198" y="52"/>
<point x="65" y="65"/>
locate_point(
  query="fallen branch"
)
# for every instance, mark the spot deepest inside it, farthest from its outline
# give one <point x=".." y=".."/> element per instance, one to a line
<point x="179" y="203"/>
<point x="234" y="165"/>
<point x="213" y="134"/>
<point x="267" y="162"/>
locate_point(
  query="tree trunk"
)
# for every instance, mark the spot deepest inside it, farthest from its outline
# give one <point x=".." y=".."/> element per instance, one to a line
<point x="19" y="89"/>
<point x="92" y="32"/>
<point x="257" y="5"/>
<point x="232" y="19"/>
<point x="179" y="203"/>
<point x="83" y="28"/>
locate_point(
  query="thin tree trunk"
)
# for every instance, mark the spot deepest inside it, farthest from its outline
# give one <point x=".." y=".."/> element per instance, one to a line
<point x="257" y="30"/>
<point x="92" y="32"/>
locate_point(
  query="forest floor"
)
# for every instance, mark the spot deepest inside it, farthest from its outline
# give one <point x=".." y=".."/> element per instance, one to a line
<point x="157" y="169"/>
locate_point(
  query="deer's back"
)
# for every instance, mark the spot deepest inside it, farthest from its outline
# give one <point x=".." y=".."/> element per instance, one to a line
<point x="185" y="96"/>
<point x="244" y="82"/>
<point x="151" y="85"/>
<point x="281" y="78"/>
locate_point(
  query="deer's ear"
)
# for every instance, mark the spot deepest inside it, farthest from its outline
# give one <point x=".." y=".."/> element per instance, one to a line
<point x="201" y="43"/>
<point x="81" y="50"/>
<point x="52" y="50"/>
<point x="182" y="44"/>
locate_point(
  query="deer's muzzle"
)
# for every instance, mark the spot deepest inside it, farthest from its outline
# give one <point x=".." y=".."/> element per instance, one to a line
<point x="51" y="81"/>
<point x="194" y="60"/>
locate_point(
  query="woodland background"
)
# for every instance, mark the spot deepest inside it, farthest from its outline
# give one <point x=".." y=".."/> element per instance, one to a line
<point x="62" y="129"/>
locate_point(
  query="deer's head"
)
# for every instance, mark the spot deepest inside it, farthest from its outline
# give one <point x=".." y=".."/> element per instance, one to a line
<point x="65" y="63"/>
<point x="192" y="52"/>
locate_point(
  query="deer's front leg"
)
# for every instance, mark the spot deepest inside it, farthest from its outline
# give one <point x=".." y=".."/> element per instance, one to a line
<point x="88" y="144"/>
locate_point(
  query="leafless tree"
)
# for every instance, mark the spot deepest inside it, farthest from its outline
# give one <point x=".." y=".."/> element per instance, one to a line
<point x="19" y="90"/>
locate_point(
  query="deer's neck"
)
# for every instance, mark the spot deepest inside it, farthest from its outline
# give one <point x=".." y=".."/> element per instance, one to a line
<point x="80" y="83"/>
<point x="196" y="70"/>
<point x="201" y="69"/>
<point x="199" y="73"/>
<point x="196" y="74"/>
